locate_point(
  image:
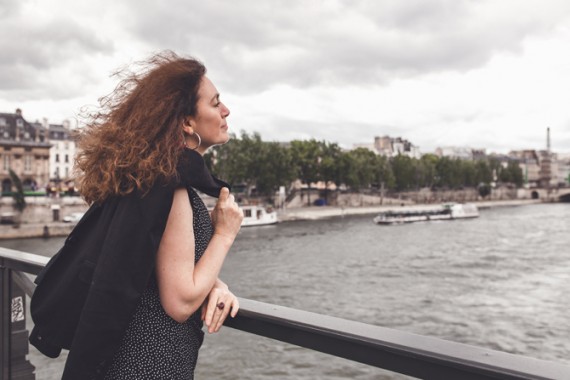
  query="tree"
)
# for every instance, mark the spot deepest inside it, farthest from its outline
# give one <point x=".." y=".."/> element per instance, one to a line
<point x="331" y="166"/>
<point x="384" y="176"/>
<point x="306" y="157"/>
<point x="250" y="161"/>
<point x="362" y="168"/>
<point x="448" y="173"/>
<point x="468" y="174"/>
<point x="483" y="173"/>
<point x="405" y="172"/>
<point x="274" y="168"/>
<point x="18" y="195"/>
<point x="428" y="174"/>
<point x="515" y="173"/>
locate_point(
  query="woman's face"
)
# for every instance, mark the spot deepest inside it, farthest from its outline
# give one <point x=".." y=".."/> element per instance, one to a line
<point x="210" y="120"/>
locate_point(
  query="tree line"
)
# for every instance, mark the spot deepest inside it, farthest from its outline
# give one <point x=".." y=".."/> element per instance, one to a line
<point x="267" y="165"/>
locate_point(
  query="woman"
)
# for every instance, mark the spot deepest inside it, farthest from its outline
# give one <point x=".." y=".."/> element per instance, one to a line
<point x="129" y="290"/>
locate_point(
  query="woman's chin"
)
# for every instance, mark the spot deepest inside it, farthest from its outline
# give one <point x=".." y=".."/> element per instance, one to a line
<point x="225" y="139"/>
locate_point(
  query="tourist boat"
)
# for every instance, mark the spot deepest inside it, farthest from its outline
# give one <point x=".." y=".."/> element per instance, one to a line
<point x="254" y="215"/>
<point x="448" y="211"/>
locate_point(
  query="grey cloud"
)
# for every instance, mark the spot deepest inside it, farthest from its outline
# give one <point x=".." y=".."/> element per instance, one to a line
<point x="9" y="8"/>
<point x="34" y="49"/>
<point x="44" y="45"/>
<point x="255" y="45"/>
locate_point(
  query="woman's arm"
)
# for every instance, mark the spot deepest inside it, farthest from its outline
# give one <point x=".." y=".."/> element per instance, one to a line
<point x="183" y="286"/>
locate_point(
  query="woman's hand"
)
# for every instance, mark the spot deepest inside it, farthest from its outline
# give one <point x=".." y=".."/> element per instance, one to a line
<point x="227" y="216"/>
<point x="218" y="305"/>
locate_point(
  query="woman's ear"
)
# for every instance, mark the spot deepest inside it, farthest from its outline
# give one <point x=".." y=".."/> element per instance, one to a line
<point x="188" y="126"/>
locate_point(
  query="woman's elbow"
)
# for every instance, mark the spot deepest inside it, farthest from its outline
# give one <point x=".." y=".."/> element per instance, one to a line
<point x="180" y="312"/>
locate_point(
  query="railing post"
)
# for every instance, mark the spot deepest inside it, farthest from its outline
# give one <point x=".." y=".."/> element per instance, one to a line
<point x="5" y="331"/>
<point x="14" y="335"/>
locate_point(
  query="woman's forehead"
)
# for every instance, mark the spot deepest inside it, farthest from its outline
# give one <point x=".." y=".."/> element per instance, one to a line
<point x="207" y="87"/>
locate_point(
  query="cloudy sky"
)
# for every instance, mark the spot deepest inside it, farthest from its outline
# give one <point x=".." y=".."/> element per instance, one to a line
<point x="488" y="74"/>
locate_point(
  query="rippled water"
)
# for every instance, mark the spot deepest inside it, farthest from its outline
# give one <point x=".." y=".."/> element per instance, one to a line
<point x="500" y="281"/>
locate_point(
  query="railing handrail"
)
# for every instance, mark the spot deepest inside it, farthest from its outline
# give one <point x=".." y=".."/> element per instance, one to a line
<point x="394" y="350"/>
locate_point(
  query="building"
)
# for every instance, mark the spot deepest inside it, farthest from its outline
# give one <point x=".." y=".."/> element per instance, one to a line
<point x="62" y="152"/>
<point x="564" y="169"/>
<point x="462" y="153"/>
<point x="391" y="147"/>
<point x="529" y="164"/>
<point x="24" y="149"/>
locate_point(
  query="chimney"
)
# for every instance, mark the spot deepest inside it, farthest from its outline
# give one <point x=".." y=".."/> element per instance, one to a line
<point x="548" y="139"/>
<point x="19" y="112"/>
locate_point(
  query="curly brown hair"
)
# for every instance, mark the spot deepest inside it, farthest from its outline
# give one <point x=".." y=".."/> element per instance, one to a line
<point x="136" y="139"/>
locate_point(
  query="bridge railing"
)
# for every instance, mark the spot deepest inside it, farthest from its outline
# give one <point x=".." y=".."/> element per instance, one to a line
<point x="410" y="354"/>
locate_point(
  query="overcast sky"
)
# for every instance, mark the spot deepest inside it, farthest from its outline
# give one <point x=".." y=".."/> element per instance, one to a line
<point x="488" y="74"/>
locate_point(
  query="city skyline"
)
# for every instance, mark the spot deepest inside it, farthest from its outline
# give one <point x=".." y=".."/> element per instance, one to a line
<point x="438" y="73"/>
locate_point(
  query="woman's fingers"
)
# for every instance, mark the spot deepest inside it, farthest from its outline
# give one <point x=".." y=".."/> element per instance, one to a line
<point x="227" y="216"/>
<point x="218" y="312"/>
<point x="224" y="193"/>
<point x="235" y="307"/>
<point x="223" y="313"/>
<point x="211" y="308"/>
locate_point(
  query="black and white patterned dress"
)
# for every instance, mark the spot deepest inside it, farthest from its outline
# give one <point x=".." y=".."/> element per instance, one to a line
<point x="155" y="346"/>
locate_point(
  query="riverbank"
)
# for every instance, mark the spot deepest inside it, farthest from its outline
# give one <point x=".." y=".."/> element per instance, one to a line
<point x="322" y="212"/>
<point x="53" y="229"/>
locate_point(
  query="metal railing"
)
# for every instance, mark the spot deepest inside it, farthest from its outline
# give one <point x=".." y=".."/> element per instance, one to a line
<point x="410" y="354"/>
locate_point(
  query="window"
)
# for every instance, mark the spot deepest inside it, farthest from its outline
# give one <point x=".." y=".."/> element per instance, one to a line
<point x="67" y="158"/>
<point x="66" y="172"/>
<point x="57" y="158"/>
<point x="2" y="122"/>
<point x="28" y="163"/>
<point x="20" y="123"/>
<point x="6" y="162"/>
<point x="6" y="135"/>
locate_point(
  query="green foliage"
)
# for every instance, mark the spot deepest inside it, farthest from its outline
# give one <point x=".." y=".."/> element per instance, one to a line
<point x="384" y="175"/>
<point x="265" y="166"/>
<point x="332" y="168"/>
<point x="513" y="174"/>
<point x="18" y="195"/>
<point x="407" y="176"/>
<point x="483" y="173"/>
<point x="362" y="168"/>
<point x="252" y="162"/>
<point x="306" y="156"/>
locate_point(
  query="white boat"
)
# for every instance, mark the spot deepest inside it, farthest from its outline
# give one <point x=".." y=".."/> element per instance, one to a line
<point x="448" y="211"/>
<point x="254" y="215"/>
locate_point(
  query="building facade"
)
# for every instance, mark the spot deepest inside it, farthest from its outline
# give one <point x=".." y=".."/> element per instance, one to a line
<point x="391" y="147"/>
<point x="62" y="152"/>
<point x="24" y="149"/>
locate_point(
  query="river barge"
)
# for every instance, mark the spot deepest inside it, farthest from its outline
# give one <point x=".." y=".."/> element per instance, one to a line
<point x="449" y="211"/>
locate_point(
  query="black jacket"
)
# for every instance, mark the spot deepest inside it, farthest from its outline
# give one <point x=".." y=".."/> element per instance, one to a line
<point x="88" y="292"/>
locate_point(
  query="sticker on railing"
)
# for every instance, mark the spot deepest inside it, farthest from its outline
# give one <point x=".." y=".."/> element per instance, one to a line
<point x="17" y="309"/>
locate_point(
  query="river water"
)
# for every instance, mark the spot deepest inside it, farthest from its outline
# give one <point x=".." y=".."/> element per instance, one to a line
<point x="501" y="281"/>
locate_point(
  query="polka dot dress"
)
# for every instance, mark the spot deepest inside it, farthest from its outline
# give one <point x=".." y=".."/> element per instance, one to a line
<point x="155" y="346"/>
